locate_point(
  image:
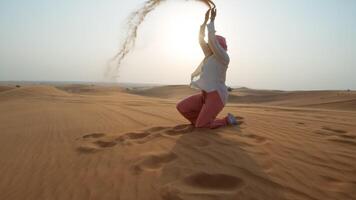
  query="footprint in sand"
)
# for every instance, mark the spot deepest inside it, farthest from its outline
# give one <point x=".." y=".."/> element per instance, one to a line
<point x="105" y="144"/>
<point x="180" y="130"/>
<point x="94" y="142"/>
<point x="155" y="132"/>
<point x="157" y="129"/>
<point x="134" y="137"/>
<point x="94" y="135"/>
<point x="215" y="182"/>
<point x="153" y="162"/>
<point x="216" y="186"/>
<point x="87" y="148"/>
<point x="137" y="135"/>
<point x="256" y="138"/>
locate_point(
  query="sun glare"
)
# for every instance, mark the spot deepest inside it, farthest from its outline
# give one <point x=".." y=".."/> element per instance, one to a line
<point x="169" y="39"/>
<point x="180" y="33"/>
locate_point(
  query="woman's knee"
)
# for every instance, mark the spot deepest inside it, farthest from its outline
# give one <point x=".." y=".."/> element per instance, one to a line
<point x="196" y="125"/>
<point x="200" y="124"/>
<point x="179" y="107"/>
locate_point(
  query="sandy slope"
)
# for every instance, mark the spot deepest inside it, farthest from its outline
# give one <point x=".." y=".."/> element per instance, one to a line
<point x="5" y="88"/>
<point x="69" y="144"/>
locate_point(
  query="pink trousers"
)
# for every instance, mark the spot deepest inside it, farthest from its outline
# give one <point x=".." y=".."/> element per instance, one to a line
<point x="201" y="110"/>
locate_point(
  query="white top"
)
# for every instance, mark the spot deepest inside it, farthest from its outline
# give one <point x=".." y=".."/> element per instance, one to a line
<point x="210" y="75"/>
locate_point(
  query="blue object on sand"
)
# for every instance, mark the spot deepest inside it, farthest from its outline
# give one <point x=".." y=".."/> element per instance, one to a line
<point x="231" y="119"/>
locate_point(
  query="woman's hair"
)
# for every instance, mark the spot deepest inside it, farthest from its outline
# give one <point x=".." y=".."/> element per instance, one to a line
<point x="222" y="41"/>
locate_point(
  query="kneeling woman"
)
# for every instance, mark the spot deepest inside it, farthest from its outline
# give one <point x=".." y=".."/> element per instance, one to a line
<point x="201" y="109"/>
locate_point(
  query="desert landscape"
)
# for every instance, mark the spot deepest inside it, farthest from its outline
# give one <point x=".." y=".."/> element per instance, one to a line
<point x="90" y="141"/>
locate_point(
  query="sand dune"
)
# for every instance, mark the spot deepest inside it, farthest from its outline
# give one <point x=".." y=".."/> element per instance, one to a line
<point x="295" y="98"/>
<point x="5" y="87"/>
<point x="343" y="100"/>
<point x="171" y="91"/>
<point x="33" y="91"/>
<point x="92" y="142"/>
<point x="89" y="89"/>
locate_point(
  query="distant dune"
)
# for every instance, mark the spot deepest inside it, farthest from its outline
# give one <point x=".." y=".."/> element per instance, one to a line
<point x="4" y="88"/>
<point x="171" y="91"/>
<point x="318" y="99"/>
<point x="344" y="100"/>
<point x="33" y="91"/>
<point x="88" y="141"/>
<point x="89" y="89"/>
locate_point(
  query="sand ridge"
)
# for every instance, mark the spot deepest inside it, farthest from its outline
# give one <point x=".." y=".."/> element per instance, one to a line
<point x="33" y="91"/>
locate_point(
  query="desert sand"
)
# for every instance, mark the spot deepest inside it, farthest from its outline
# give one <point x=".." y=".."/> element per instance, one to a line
<point x="95" y="142"/>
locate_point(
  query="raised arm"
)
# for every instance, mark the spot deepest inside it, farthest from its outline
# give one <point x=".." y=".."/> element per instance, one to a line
<point x="204" y="46"/>
<point x="215" y="47"/>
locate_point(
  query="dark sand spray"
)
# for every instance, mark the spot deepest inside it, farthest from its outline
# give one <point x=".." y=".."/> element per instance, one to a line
<point x="133" y="22"/>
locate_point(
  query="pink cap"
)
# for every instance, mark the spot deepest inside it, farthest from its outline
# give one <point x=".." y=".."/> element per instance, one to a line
<point x="222" y="41"/>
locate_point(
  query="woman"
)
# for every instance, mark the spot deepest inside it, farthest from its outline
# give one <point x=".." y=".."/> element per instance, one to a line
<point x="201" y="109"/>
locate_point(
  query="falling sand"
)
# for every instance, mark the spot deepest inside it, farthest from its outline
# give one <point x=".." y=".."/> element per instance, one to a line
<point x="134" y="22"/>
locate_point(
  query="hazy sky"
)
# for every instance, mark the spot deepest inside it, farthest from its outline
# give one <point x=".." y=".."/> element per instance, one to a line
<point x="273" y="44"/>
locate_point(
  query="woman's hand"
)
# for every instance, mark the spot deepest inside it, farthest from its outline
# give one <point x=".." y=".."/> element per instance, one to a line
<point x="206" y="17"/>
<point x="213" y="14"/>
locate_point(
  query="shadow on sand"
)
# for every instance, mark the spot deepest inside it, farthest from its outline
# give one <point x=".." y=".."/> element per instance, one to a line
<point x="214" y="164"/>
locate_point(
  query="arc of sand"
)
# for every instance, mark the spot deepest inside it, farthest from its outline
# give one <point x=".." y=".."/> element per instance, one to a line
<point x="134" y="21"/>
